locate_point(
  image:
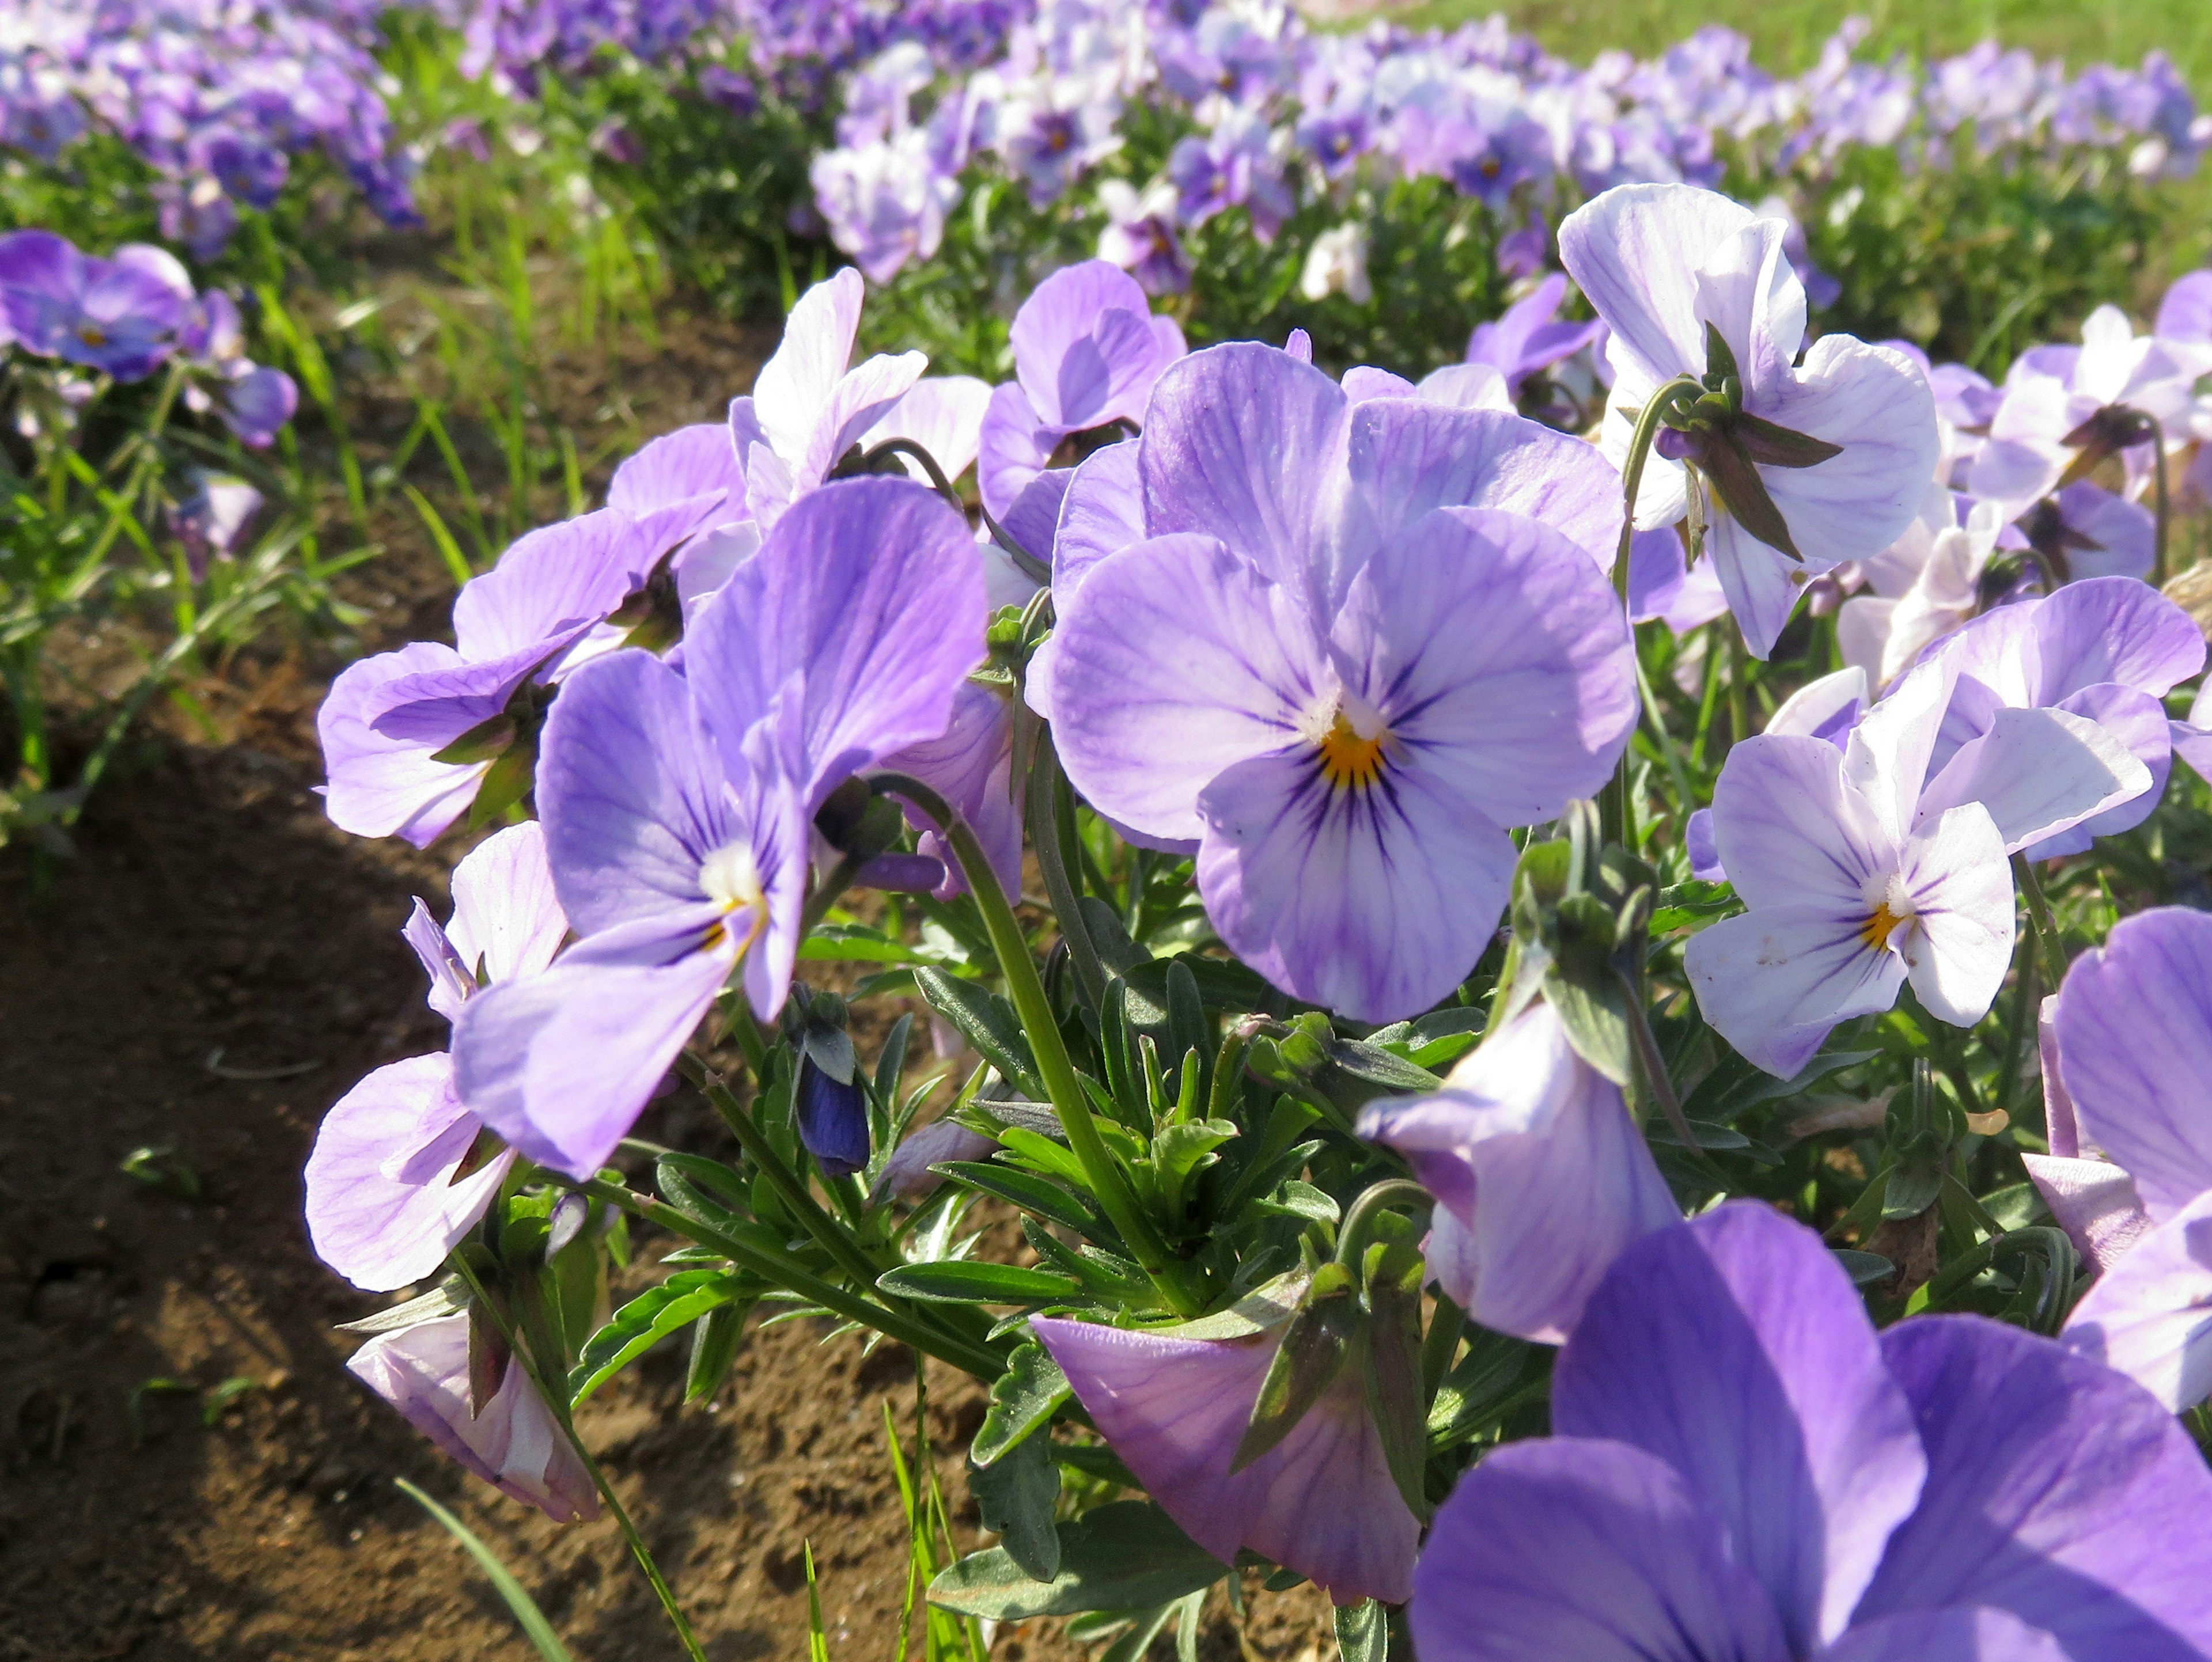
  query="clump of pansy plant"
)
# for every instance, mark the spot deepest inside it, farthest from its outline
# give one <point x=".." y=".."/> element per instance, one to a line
<point x="1505" y="1028"/>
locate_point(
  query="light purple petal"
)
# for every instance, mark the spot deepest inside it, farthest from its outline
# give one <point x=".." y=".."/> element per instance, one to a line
<point x="1876" y="404"/>
<point x="2150" y="1314"/>
<point x="1747" y="290"/>
<point x="1789" y="830"/>
<point x="383" y="1209"/>
<point x="1321" y="1501"/>
<point x="506" y="914"/>
<point x="943" y="414"/>
<point x="2057" y="1489"/>
<point x="1634" y="252"/>
<point x="515" y="1443"/>
<point x="863" y="397"/>
<point x="553" y="583"/>
<point x="2094" y="1201"/>
<point x="1774" y="982"/>
<point x="1084" y="348"/>
<point x="1174" y="660"/>
<point x="794" y="387"/>
<point x="695" y="467"/>
<point x="387" y="787"/>
<point x="2138" y="721"/>
<point x="1012" y="447"/>
<point x="561" y="1066"/>
<point x="867" y="597"/>
<point x="2135" y="1046"/>
<point x="1761" y="584"/>
<point x="1244" y="444"/>
<point x="1967" y="1635"/>
<point x="1102" y="513"/>
<point x="1735" y="1348"/>
<point x="1468" y="387"/>
<point x="1540" y="1175"/>
<point x="1960" y="941"/>
<point x="1032" y="518"/>
<point x="2042" y="771"/>
<point x="1583" y="1549"/>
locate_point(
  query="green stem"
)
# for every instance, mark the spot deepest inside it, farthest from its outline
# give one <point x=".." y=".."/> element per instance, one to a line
<point x="2163" y="509"/>
<point x="1739" y="689"/>
<point x="558" y="1402"/>
<point x="1685" y="798"/>
<point x="1045" y="836"/>
<point x="770" y="1265"/>
<point x="2049" y="948"/>
<point x="1439" y="1345"/>
<point x="142" y="466"/>
<point x="2023" y="1018"/>
<point x="1360" y="1222"/>
<point x="1055" y="1069"/>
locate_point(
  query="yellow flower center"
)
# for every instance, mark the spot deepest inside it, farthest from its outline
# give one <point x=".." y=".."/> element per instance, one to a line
<point x="1351" y="759"/>
<point x="1877" y="929"/>
<point x="732" y="881"/>
<point x="92" y="334"/>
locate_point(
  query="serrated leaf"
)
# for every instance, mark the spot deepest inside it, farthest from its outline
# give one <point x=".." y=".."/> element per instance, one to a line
<point x="1030" y="1191"/>
<point x="650" y="1318"/>
<point x="961" y="1281"/>
<point x="985" y="1021"/>
<point x="1022" y="1399"/>
<point x="1015" y="1495"/>
<point x="1126" y="1554"/>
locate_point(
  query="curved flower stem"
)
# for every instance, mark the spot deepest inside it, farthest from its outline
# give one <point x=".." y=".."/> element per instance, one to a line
<point x="1614" y="806"/>
<point x="1360" y="1222"/>
<point x="1054" y="1066"/>
<point x="2048" y="946"/>
<point x="1045" y="834"/>
<point x="558" y="1402"/>
<point x="2162" y="507"/>
<point x="1032" y="567"/>
<point x="2023" y="1018"/>
<point x="782" y="1268"/>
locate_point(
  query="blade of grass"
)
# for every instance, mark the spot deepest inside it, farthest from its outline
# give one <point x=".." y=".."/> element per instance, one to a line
<point x="527" y="1615"/>
<point x="448" y="549"/>
<point x="817" y="1642"/>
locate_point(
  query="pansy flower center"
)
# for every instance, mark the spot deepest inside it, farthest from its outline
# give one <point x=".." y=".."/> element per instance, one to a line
<point x="1354" y="747"/>
<point x="92" y="334"/>
<point x="1891" y="908"/>
<point x="731" y="879"/>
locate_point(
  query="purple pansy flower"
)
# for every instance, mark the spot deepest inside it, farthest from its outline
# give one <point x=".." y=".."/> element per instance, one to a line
<point x="1859" y="876"/>
<point x="2134" y="1031"/>
<point x="807" y="407"/>
<point x="384" y="1205"/>
<point x="678" y="805"/>
<point x="1743" y="1471"/>
<point x="1915" y="605"/>
<point x="515" y="1443"/>
<point x="1528" y="338"/>
<point x="1540" y="1175"/>
<point x="253" y="401"/>
<point x="1141" y="234"/>
<point x="1663" y="263"/>
<point x="1174" y="1407"/>
<point x="1087" y="351"/>
<point x="120" y="315"/>
<point x="2107" y="650"/>
<point x="1345" y="658"/>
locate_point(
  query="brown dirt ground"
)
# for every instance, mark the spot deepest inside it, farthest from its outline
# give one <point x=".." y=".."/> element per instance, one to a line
<point x="213" y="968"/>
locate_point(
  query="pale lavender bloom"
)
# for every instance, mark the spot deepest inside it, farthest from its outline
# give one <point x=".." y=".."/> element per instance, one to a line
<point x="1741" y="1468"/>
<point x="1826" y="708"/>
<point x="1355" y="630"/>
<point x="210" y="518"/>
<point x="2094" y="1201"/>
<point x="907" y="1175"/>
<point x="387" y="717"/>
<point x="1885" y="632"/>
<point x="384" y="1204"/>
<point x="1321" y="1501"/>
<point x="971" y="766"/>
<point x="1053" y="134"/>
<point x="515" y="1444"/>
<point x="943" y="414"/>
<point x="885" y="200"/>
<point x="677" y="806"/>
<point x="1661" y="262"/>
<point x="807" y="407"/>
<point x="1663" y="585"/>
<point x="2108" y="651"/>
<point x="1528" y="338"/>
<point x="1858" y="876"/>
<point x="1540" y="1175"/>
<point x="2133" y="1027"/>
<point x="253" y="401"/>
<point x="1141" y="235"/>
<point x="122" y="316"/>
<point x="2054" y="392"/>
<point x="1237" y="165"/>
<point x="1087" y="352"/>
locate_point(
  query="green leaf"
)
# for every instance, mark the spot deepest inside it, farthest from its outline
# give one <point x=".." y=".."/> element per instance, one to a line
<point x="1022" y="1399"/>
<point x="1471" y="1393"/>
<point x="1363" y="1632"/>
<point x="1313" y="1352"/>
<point x="1864" y="1268"/>
<point x="1393" y="1365"/>
<point x="960" y="1281"/>
<point x="1015" y="1495"/>
<point x="1029" y="1190"/>
<point x="648" y="1319"/>
<point x="527" y="1615"/>
<point x="1595" y="1017"/>
<point x="986" y="1022"/>
<point x="715" y="1343"/>
<point x="1126" y="1554"/>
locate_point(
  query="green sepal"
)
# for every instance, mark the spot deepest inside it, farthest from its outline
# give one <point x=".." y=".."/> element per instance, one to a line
<point x="1394" y="1271"/>
<point x="1742" y="494"/>
<point x="1720" y="360"/>
<point x="1363" y="1632"/>
<point x="1314" y="1350"/>
<point x="505" y="783"/>
<point x="715" y="1343"/>
<point x="485" y="741"/>
<point x="1772" y="445"/>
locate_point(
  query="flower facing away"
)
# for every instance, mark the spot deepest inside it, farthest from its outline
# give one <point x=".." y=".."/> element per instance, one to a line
<point x="1087" y="352"/>
<point x="1925" y="585"/>
<point x="1859" y="876"/>
<point x="1540" y="1175"/>
<point x="1175" y="1405"/>
<point x="1742" y="1470"/>
<point x="1344" y="659"/>
<point x="1809" y="464"/>
<point x="677" y="806"/>
<point x="2134" y="1031"/>
<point x="121" y="315"/>
<point x="515" y="1444"/>
<point x="390" y="1185"/>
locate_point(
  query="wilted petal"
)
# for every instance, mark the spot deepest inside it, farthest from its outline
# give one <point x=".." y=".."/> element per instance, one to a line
<point x="515" y="1443"/>
<point x="2135" y="1046"/>
<point x="1576" y="1547"/>
<point x="383" y="1208"/>
<point x="2057" y="1489"/>
<point x="2150" y="1314"/>
<point x="1735" y="1348"/>
<point x="1321" y="1501"/>
<point x="1540" y="1175"/>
